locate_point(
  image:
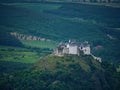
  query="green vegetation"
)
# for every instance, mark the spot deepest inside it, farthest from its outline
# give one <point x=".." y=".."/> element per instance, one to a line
<point x="36" y="6"/>
<point x="15" y="58"/>
<point x="39" y="44"/>
<point x="63" y="73"/>
<point x="18" y="55"/>
<point x="54" y="62"/>
<point x="63" y="21"/>
<point x="28" y="65"/>
<point x="8" y="40"/>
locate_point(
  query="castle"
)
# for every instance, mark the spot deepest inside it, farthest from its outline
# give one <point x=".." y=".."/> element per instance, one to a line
<point x="72" y="48"/>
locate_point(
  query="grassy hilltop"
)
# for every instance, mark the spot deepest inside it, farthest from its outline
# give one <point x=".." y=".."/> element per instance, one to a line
<point x="53" y="63"/>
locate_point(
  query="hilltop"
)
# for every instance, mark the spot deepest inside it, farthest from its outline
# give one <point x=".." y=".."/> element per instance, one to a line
<point x="63" y="73"/>
<point x="53" y="63"/>
<point x="74" y="72"/>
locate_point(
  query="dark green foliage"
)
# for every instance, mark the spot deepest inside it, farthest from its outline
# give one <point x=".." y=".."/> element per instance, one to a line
<point x="26" y="81"/>
<point x="101" y="14"/>
<point x="75" y="75"/>
<point x="7" y="66"/>
<point x="8" y="40"/>
<point x="111" y="75"/>
<point x="45" y="23"/>
<point x="70" y="77"/>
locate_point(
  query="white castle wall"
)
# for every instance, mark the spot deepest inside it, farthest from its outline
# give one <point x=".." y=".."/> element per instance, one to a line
<point x="86" y="50"/>
<point x="73" y="50"/>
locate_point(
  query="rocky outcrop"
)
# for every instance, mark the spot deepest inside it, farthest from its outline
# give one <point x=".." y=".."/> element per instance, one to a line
<point x="28" y="37"/>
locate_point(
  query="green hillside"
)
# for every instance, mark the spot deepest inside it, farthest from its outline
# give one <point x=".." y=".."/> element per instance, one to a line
<point x="14" y="59"/>
<point x="53" y="63"/>
<point x="63" y="21"/>
<point x="79" y="72"/>
<point x="36" y="19"/>
<point x="63" y="73"/>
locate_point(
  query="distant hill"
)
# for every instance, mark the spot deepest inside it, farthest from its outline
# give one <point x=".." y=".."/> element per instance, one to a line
<point x="98" y="1"/>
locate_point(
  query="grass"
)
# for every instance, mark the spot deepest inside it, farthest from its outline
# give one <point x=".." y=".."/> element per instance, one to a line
<point x="39" y="44"/>
<point x="118" y="69"/>
<point x="21" y="55"/>
<point x="35" y="6"/>
<point x="54" y="63"/>
<point x="16" y="59"/>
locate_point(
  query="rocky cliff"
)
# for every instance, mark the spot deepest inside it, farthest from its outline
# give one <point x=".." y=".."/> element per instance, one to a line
<point x="27" y="37"/>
